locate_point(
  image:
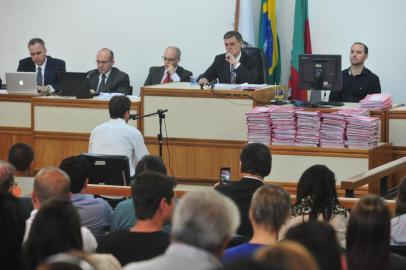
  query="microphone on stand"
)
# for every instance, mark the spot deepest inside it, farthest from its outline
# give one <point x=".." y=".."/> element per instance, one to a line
<point x="133" y="116"/>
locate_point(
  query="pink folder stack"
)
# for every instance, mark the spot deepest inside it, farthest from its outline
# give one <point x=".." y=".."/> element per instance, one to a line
<point x="283" y="125"/>
<point x="308" y="128"/>
<point x="362" y="132"/>
<point x="259" y="125"/>
<point x="332" y="130"/>
<point x="377" y="101"/>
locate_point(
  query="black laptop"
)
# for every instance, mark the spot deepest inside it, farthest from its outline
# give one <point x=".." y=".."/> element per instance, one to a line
<point x="73" y="84"/>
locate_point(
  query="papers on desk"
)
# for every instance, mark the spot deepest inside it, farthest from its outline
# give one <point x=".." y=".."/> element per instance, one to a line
<point x="259" y="125"/>
<point x="308" y="128"/>
<point x="377" y="101"/>
<point x="243" y="86"/>
<point x="362" y="132"/>
<point x="283" y="125"/>
<point x="332" y="130"/>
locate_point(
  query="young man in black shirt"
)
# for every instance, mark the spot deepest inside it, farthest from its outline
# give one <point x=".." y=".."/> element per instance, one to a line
<point x="357" y="80"/>
<point x="153" y="196"/>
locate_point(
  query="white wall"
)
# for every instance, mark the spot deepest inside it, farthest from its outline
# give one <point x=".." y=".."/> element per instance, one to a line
<point x="139" y="30"/>
<point x="136" y="30"/>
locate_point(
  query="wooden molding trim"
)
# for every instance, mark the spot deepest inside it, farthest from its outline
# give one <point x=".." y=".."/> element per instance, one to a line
<point x="197" y="142"/>
<point x="61" y="136"/>
<point x="16" y="130"/>
<point x="175" y="92"/>
<point x="77" y="103"/>
<point x="17" y="97"/>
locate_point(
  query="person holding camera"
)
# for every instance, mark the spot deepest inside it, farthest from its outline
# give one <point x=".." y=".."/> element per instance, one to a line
<point x="235" y="66"/>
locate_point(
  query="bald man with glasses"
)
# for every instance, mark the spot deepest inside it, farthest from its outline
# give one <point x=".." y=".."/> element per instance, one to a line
<point x="170" y="71"/>
<point x="106" y="78"/>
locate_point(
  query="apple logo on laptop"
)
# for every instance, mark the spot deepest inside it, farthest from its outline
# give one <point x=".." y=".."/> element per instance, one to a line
<point x="21" y="82"/>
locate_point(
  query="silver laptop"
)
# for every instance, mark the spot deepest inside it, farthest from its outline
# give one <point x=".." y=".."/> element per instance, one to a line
<point x="21" y="82"/>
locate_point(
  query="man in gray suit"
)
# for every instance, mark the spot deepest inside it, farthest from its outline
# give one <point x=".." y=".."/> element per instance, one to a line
<point x="170" y="71"/>
<point x="107" y="78"/>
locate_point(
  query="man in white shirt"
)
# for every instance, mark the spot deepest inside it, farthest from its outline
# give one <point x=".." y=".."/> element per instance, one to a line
<point x="51" y="182"/>
<point x="116" y="137"/>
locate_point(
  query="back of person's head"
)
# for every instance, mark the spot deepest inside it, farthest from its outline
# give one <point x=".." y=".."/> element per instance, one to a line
<point x="51" y="182"/>
<point x="368" y="234"/>
<point x="148" y="190"/>
<point x="77" y="168"/>
<point x="286" y="255"/>
<point x="256" y="159"/>
<point x="12" y="227"/>
<point x="206" y="220"/>
<point x="7" y="172"/>
<point x="270" y="207"/>
<point x="118" y="106"/>
<point x="401" y="199"/>
<point x="21" y="156"/>
<point x="318" y="183"/>
<point x="320" y="239"/>
<point x="235" y="34"/>
<point x="150" y="163"/>
<point x="56" y="228"/>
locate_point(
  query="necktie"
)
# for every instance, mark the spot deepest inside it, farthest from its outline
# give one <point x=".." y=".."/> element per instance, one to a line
<point x="167" y="78"/>
<point x="102" y="85"/>
<point x="39" y="76"/>
<point x="233" y="74"/>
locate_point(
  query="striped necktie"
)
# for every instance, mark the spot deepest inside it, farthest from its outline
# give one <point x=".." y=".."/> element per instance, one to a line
<point x="233" y="74"/>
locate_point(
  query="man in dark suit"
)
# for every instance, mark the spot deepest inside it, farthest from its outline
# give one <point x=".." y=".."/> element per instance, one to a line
<point x="255" y="164"/>
<point x="234" y="66"/>
<point x="107" y="78"/>
<point x="45" y="66"/>
<point x="170" y="71"/>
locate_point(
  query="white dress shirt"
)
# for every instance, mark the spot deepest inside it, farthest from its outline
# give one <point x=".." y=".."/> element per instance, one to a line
<point x="115" y="137"/>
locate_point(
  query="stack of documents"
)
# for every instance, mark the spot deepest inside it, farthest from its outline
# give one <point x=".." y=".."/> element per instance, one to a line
<point x="283" y="125"/>
<point x="308" y="128"/>
<point x="377" y="101"/>
<point x="332" y="130"/>
<point x="259" y="125"/>
<point x="362" y="132"/>
<point x="354" y="111"/>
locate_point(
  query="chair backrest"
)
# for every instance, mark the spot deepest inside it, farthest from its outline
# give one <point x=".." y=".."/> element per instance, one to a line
<point x="401" y="250"/>
<point x="262" y="63"/>
<point x="108" y="169"/>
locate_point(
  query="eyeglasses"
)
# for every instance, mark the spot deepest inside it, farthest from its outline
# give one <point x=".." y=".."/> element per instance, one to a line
<point x="102" y="62"/>
<point x="169" y="59"/>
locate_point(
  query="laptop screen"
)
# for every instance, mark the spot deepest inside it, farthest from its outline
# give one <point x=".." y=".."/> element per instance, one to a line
<point x="72" y="83"/>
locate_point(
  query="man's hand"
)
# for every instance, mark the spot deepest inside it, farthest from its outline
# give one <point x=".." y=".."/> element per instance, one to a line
<point x="231" y="59"/>
<point x="43" y="90"/>
<point x="171" y="69"/>
<point x="203" y="81"/>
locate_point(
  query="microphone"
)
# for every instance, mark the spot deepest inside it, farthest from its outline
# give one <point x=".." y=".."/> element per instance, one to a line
<point x="161" y="111"/>
<point x="212" y="83"/>
<point x="133" y="116"/>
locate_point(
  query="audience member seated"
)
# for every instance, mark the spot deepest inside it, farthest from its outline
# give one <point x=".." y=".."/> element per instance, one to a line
<point x="287" y="255"/>
<point x="234" y="66"/>
<point x="270" y="208"/>
<point x="255" y="164"/>
<point x="320" y="239"/>
<point x="154" y="198"/>
<point x="116" y="137"/>
<point x="51" y="182"/>
<point x="7" y="184"/>
<point x="107" y="78"/>
<point x="12" y="226"/>
<point x="316" y="199"/>
<point x="81" y="261"/>
<point x="95" y="213"/>
<point x="203" y="223"/>
<point x="170" y="71"/>
<point x="124" y="213"/>
<point x="45" y="66"/>
<point x="55" y="229"/>
<point x="21" y="156"/>
<point x="398" y="223"/>
<point x="368" y="237"/>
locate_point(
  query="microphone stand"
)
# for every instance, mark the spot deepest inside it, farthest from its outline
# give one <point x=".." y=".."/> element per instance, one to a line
<point x="161" y="115"/>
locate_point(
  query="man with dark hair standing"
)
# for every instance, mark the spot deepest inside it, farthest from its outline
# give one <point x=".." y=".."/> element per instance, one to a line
<point x="95" y="213"/>
<point x="44" y="65"/>
<point x="154" y="198"/>
<point x="234" y="66"/>
<point x="357" y="80"/>
<point x="255" y="164"/>
<point x="116" y="137"/>
<point x="107" y="78"/>
<point x="170" y="71"/>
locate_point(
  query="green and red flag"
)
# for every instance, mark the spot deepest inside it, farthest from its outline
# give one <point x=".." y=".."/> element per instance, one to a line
<point x="268" y="40"/>
<point x="301" y="44"/>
